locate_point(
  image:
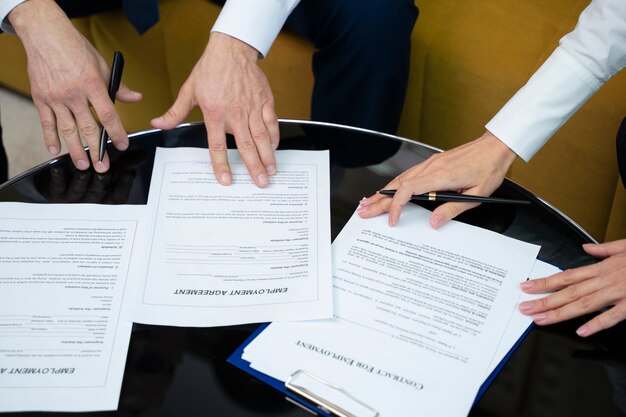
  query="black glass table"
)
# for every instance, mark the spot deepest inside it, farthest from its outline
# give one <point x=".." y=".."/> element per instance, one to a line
<point x="183" y="371"/>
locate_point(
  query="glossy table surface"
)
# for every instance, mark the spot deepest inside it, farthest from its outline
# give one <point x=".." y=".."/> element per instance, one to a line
<point x="183" y="371"/>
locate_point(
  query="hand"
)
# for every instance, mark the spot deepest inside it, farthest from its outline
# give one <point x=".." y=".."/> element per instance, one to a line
<point x="477" y="167"/>
<point x="583" y="290"/>
<point x="235" y="97"/>
<point x="67" y="75"/>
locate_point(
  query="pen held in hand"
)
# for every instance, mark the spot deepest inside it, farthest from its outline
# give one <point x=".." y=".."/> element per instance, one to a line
<point x="114" y="85"/>
<point x="452" y="196"/>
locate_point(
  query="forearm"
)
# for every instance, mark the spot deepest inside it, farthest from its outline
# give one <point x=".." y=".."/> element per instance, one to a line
<point x="585" y="59"/>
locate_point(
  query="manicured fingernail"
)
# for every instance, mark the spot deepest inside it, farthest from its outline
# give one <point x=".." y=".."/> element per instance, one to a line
<point x="582" y="331"/>
<point x="525" y="306"/>
<point x="262" y="179"/>
<point x="538" y="318"/>
<point x="225" y="178"/>
<point x="436" y="221"/>
<point x="99" y="166"/>
<point x="271" y="170"/>
<point x="82" y="164"/>
<point x="53" y="150"/>
<point x="526" y="285"/>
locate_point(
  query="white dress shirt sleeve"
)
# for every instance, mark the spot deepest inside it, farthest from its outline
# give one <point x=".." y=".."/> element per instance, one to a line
<point x="255" y="22"/>
<point x="5" y="8"/>
<point x="585" y="59"/>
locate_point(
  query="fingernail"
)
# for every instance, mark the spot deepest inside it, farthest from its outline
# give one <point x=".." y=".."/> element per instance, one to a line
<point x="262" y="180"/>
<point x="361" y="208"/>
<point x="538" y="318"/>
<point x="274" y="146"/>
<point x="99" y="167"/>
<point x="82" y="164"/>
<point x="525" y="306"/>
<point x="271" y="170"/>
<point x="53" y="150"/>
<point x="225" y="178"/>
<point x="582" y="331"/>
<point x="527" y="285"/>
<point x="436" y="221"/>
<point x="121" y="146"/>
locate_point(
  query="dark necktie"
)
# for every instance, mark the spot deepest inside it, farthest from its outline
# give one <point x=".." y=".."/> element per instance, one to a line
<point x="143" y="14"/>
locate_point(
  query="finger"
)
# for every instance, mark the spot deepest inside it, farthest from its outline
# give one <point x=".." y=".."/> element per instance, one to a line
<point x="603" y="321"/>
<point x="178" y="112"/>
<point x="402" y="196"/>
<point x="604" y="250"/>
<point x="69" y="131"/>
<point x="261" y="137"/>
<point x="583" y="305"/>
<point x="271" y="122"/>
<point x="376" y="205"/>
<point x="559" y="280"/>
<point x="49" y="127"/>
<point x="216" y="137"/>
<point x="109" y="118"/>
<point x="126" y="95"/>
<point x="448" y="211"/>
<point x="248" y="150"/>
<point x="583" y="294"/>
<point x="90" y="130"/>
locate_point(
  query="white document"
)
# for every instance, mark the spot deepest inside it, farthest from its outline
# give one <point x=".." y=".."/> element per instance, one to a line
<point x="519" y="322"/>
<point x="63" y="276"/>
<point x="223" y="255"/>
<point x="419" y="315"/>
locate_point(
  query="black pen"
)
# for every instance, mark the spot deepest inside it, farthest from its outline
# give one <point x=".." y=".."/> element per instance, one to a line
<point x="114" y="85"/>
<point x="451" y="196"/>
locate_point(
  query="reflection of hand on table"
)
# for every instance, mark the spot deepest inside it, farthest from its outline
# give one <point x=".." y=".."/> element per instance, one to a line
<point x="73" y="186"/>
<point x="477" y="168"/>
<point x="67" y="75"/>
<point x="583" y="290"/>
<point x="235" y="97"/>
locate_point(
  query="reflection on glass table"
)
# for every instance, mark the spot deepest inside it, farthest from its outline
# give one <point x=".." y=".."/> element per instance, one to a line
<point x="183" y="372"/>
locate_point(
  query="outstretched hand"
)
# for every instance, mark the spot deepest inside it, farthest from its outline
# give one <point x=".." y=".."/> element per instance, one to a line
<point x="234" y="97"/>
<point x="67" y="75"/>
<point x="583" y="290"/>
<point x="477" y="168"/>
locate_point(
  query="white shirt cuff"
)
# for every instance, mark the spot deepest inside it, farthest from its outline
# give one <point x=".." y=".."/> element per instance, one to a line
<point x="5" y="8"/>
<point x="551" y="96"/>
<point x="255" y="22"/>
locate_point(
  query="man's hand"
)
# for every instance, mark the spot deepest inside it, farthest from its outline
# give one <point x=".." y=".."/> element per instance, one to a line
<point x="235" y="97"/>
<point x="583" y="290"/>
<point x="477" y="168"/>
<point x="67" y="75"/>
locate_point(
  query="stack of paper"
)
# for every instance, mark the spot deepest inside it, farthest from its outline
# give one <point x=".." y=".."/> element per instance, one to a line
<point x="419" y="316"/>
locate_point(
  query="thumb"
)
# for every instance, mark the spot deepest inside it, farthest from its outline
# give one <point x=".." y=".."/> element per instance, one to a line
<point x="126" y="95"/>
<point x="177" y="113"/>
<point x="448" y="211"/>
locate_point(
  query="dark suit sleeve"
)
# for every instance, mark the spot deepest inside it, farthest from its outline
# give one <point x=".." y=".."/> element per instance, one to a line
<point x="82" y="8"/>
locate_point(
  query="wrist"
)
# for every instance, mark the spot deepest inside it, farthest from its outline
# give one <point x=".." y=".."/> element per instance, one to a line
<point x="500" y="149"/>
<point x="234" y="46"/>
<point x="33" y="13"/>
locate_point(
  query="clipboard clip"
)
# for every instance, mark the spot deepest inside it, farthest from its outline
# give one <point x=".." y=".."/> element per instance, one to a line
<point x="329" y="398"/>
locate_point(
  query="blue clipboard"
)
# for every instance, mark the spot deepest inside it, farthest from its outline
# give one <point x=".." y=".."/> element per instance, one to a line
<point x="236" y="359"/>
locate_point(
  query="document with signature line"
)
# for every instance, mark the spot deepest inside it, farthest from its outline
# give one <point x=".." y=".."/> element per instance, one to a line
<point x="222" y="255"/>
